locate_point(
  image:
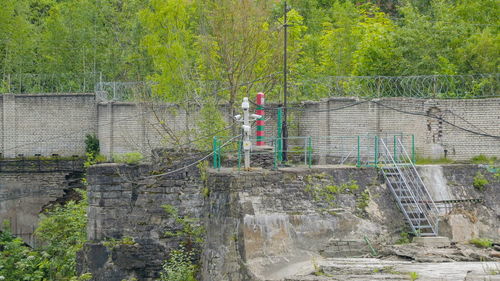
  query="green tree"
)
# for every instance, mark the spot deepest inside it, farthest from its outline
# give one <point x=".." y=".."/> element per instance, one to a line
<point x="62" y="232"/>
<point x="17" y="40"/>
<point x="170" y="39"/>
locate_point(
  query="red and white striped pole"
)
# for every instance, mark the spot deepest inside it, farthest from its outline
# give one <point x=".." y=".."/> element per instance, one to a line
<point x="260" y="122"/>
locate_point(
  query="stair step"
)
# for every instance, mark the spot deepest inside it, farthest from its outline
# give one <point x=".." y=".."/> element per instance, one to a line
<point x="423" y="226"/>
<point x="396" y="182"/>
<point x="416" y="215"/>
<point x="418" y="219"/>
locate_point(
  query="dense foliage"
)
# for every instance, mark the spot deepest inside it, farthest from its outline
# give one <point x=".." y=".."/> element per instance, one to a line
<point x="194" y="49"/>
<point x="61" y="233"/>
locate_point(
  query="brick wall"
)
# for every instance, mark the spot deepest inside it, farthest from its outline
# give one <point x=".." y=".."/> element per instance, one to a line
<point x="433" y="137"/>
<point x="48" y="124"/>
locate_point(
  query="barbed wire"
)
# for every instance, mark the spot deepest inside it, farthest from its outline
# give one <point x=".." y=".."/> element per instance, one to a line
<point x="415" y="86"/>
<point x="418" y="86"/>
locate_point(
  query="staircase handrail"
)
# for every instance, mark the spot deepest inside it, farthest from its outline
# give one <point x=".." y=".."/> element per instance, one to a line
<point x="422" y="186"/>
<point x="403" y="177"/>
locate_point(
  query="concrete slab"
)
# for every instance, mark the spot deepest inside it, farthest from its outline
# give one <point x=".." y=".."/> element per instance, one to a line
<point x="438" y="241"/>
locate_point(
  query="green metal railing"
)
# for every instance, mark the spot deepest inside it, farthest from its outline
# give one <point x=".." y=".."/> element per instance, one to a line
<point x="369" y="148"/>
<point x="362" y="150"/>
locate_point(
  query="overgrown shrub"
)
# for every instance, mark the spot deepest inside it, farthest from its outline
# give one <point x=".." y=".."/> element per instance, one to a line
<point x="62" y="232"/>
<point x="92" y="144"/>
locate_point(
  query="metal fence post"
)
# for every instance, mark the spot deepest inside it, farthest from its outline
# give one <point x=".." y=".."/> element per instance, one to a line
<point x="376" y="151"/>
<point x="215" y="152"/>
<point x="279" y="139"/>
<point x="358" y="162"/>
<point x="275" y="164"/>
<point x="309" y="150"/>
<point x="413" y="156"/>
<point x="219" y="152"/>
<point x="395" y="148"/>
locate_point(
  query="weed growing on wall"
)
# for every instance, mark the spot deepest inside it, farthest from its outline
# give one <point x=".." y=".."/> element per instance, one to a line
<point x="480" y="181"/>
<point x="362" y="202"/>
<point x="131" y="158"/>
<point x="322" y="190"/>
<point x="483" y="159"/>
<point x="181" y="264"/>
<point x="179" y="267"/>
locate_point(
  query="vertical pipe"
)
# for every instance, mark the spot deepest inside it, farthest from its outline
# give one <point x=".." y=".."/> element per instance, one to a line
<point x="219" y="153"/>
<point x="260" y="122"/>
<point x="395" y="148"/>
<point x="376" y="151"/>
<point x="279" y="139"/>
<point x="413" y="156"/>
<point x="275" y="165"/>
<point x="358" y="162"/>
<point x="215" y="152"/>
<point x="309" y="150"/>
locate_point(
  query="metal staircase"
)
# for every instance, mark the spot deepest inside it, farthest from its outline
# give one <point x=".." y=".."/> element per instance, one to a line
<point x="408" y="188"/>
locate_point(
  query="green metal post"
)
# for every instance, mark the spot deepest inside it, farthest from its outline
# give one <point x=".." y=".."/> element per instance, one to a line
<point x="275" y="153"/>
<point x="395" y="148"/>
<point x="376" y="151"/>
<point x="358" y="162"/>
<point x="309" y="151"/>
<point x="215" y="152"/>
<point x="413" y="156"/>
<point x="220" y="153"/>
<point x="279" y="139"/>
